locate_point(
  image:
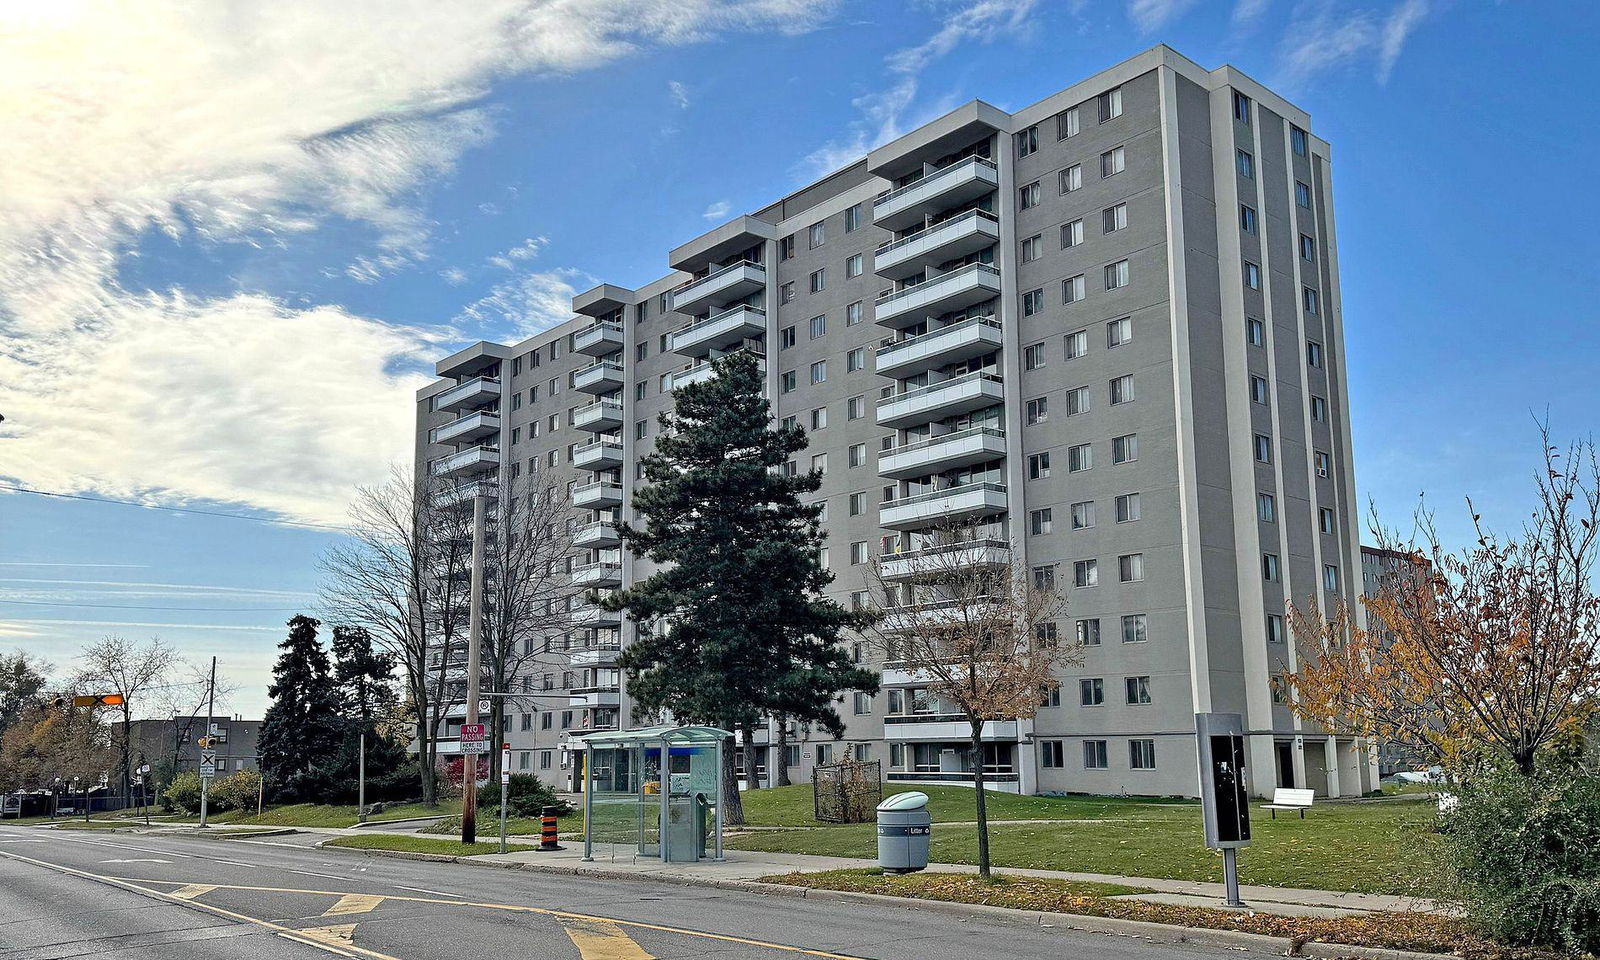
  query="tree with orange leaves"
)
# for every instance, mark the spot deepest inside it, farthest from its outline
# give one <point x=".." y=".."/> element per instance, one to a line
<point x="1495" y="647"/>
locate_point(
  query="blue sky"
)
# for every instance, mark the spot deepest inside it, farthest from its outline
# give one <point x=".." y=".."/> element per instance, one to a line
<point x="230" y="250"/>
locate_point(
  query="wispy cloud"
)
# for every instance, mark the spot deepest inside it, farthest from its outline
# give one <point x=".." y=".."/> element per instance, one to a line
<point x="883" y="112"/>
<point x="717" y="210"/>
<point x="1152" y="15"/>
<point x="1321" y="38"/>
<point x="1248" y="11"/>
<point x="679" y="94"/>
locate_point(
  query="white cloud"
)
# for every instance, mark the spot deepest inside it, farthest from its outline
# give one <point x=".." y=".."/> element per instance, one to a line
<point x="1151" y="15"/>
<point x="455" y="276"/>
<point x="1248" y="11"/>
<point x="883" y="112"/>
<point x="717" y="210"/>
<point x="221" y="123"/>
<point x="526" y="303"/>
<point x="1321" y="39"/>
<point x="679" y="94"/>
<point x="521" y="253"/>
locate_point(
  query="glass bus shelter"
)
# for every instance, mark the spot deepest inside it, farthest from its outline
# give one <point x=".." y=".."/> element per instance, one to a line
<point x="638" y="804"/>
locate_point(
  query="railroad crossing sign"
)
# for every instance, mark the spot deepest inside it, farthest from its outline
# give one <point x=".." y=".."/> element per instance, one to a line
<point x="474" y="738"/>
<point x="208" y="763"/>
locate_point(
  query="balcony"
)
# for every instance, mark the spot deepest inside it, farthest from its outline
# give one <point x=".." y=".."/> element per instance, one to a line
<point x="930" y="562"/>
<point x="466" y="492"/>
<point x="719" y="288"/>
<point x="602" y="533"/>
<point x="600" y="656"/>
<point x="598" y="339"/>
<point x="719" y="331"/>
<point x="602" y="377"/>
<point x="960" y="288"/>
<point x="963" y="394"/>
<point x="942" y="242"/>
<point x="599" y="416"/>
<point x="940" y="506"/>
<point x="943" y="613"/>
<point x="938" y="191"/>
<point x="473" y="426"/>
<point x="602" y="454"/>
<point x="609" y="695"/>
<point x="593" y="616"/>
<point x="598" y="575"/>
<point x="598" y="495"/>
<point x="962" y="448"/>
<point x="477" y="392"/>
<point x="703" y="371"/>
<point x="943" y="727"/>
<point x="938" y="348"/>
<point x="472" y="460"/>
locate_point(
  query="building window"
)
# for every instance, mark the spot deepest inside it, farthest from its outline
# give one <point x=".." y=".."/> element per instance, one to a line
<point x="1297" y="141"/>
<point x="1033" y="356"/>
<point x="787" y="338"/>
<point x="1122" y="389"/>
<point x="1258" y="389"/>
<point x="1275" y="632"/>
<point x="1308" y="248"/>
<point x="1038" y="466"/>
<point x="1110" y="104"/>
<point x="1086" y="573"/>
<point x="854" y="266"/>
<point x="855" y="360"/>
<point x="1252" y="275"/>
<point x="1067" y="124"/>
<point x="1071" y="234"/>
<point x="1247" y="219"/>
<point x="1135" y="628"/>
<point x="1044" y="634"/>
<point x="852" y="314"/>
<point x="786" y="382"/>
<point x="1083" y="515"/>
<point x="1072" y="178"/>
<point x="1125" y="449"/>
<point x="1247" y="165"/>
<point x="852" y="219"/>
<point x="1044" y="577"/>
<point x="1302" y="194"/>
<point x="819" y="280"/>
<point x="856" y="407"/>
<point x="1077" y="401"/>
<point x="1241" y="107"/>
<point x="1263" y="448"/>
<point x="1313" y="354"/>
<point x="1266" y="508"/>
<point x="819" y="326"/>
<point x="786" y="292"/>
<point x="1127" y="507"/>
<point x="858" y="455"/>
<point x="1094" y="755"/>
<point x="1028" y="196"/>
<point x="1032" y="248"/>
<point x="1119" y="332"/>
<point x="819" y="235"/>
<point x="1113" y="162"/>
<point x="1114" y="218"/>
<point x="1028" y="142"/>
<point x="1325" y="521"/>
<point x="1255" y="332"/>
<point x="1142" y="754"/>
<point x="1032" y="302"/>
<point x="1269" y="567"/>
<point x="786" y="248"/>
<point x="1091" y="692"/>
<point x="1038" y="410"/>
<point x="1075" y="345"/>
<point x="1088" y="630"/>
<point x="858" y="504"/>
<point x="1080" y="457"/>
<point x="858" y="552"/>
<point x="819" y="372"/>
<point x="1116" y="274"/>
<point x="1130" y="567"/>
<point x="1319" y="409"/>
<point x="1323" y="464"/>
<point x="1073" y="289"/>
<point x="1040" y="522"/>
<point x="819" y="418"/>
<point x="1137" y="689"/>
<point x="1330" y="577"/>
<point x="1051" y="754"/>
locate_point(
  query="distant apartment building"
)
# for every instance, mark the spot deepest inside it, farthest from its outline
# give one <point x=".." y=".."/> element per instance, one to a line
<point x="1104" y="329"/>
<point x="177" y="738"/>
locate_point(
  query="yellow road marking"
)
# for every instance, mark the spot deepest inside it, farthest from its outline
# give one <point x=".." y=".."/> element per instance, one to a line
<point x="339" y="935"/>
<point x="353" y="903"/>
<point x="192" y="890"/>
<point x="603" y="940"/>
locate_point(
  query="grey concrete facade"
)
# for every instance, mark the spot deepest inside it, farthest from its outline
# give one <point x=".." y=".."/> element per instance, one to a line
<point x="1165" y="365"/>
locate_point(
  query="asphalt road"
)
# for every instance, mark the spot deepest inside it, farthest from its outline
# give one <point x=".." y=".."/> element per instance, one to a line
<point x="77" y="894"/>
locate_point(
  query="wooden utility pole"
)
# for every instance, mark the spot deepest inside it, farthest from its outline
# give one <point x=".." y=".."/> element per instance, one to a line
<point x="469" y="761"/>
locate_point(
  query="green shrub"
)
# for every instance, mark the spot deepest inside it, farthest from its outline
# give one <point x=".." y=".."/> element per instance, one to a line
<point x="237" y="791"/>
<point x="1526" y="853"/>
<point x="183" y="793"/>
<point x="526" y="796"/>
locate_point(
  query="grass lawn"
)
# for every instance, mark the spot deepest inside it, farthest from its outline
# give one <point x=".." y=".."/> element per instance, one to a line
<point x="414" y="844"/>
<point x="1367" y="847"/>
<point x="330" y="815"/>
<point x="1400" y="931"/>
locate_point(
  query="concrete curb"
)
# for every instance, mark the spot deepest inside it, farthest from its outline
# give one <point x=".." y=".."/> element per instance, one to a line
<point x="1111" y="926"/>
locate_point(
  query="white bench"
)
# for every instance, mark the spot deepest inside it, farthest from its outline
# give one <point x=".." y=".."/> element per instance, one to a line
<point x="1288" y="798"/>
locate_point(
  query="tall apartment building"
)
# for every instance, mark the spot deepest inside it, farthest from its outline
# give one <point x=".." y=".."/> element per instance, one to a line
<point x="1105" y="329"/>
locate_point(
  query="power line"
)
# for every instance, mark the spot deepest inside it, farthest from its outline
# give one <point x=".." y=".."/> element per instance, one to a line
<point x="130" y="606"/>
<point x="149" y="506"/>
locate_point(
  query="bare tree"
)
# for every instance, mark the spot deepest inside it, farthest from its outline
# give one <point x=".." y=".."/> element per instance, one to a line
<point x="404" y="576"/>
<point x="528" y="591"/>
<point x="185" y="698"/>
<point x="1495" y="646"/>
<point x="116" y="665"/>
<point x="977" y="633"/>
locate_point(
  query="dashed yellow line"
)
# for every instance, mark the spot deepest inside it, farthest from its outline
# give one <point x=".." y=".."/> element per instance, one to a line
<point x="353" y="903"/>
<point x="603" y="940"/>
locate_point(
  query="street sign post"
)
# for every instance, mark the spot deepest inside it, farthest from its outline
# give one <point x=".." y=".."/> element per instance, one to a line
<point x="505" y="783"/>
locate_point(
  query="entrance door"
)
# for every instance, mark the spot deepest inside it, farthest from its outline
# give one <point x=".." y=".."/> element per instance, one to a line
<point x="1284" y="751"/>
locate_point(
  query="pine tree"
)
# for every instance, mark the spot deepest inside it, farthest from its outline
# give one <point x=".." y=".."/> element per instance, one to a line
<point x="734" y="625"/>
<point x="302" y="731"/>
